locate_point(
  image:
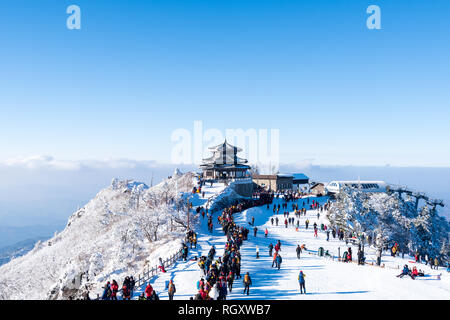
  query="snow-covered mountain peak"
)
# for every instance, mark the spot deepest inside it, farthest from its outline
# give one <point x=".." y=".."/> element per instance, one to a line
<point x="115" y="234"/>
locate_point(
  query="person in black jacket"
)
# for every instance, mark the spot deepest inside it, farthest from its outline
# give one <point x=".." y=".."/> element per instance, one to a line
<point x="154" y="296"/>
<point x="298" y="250"/>
<point x="270" y="249"/>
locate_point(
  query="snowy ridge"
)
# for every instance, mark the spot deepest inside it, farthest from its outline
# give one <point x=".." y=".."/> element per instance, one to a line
<point x="126" y="227"/>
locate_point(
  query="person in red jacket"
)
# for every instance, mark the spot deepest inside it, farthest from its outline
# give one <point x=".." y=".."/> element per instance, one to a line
<point x="114" y="290"/>
<point x="414" y="272"/>
<point x="126" y="294"/>
<point x="148" y="291"/>
<point x="204" y="294"/>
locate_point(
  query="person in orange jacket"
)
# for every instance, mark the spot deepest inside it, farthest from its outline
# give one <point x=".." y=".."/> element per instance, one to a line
<point x="274" y="262"/>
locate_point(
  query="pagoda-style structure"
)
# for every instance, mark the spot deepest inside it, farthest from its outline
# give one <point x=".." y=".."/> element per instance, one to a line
<point x="224" y="163"/>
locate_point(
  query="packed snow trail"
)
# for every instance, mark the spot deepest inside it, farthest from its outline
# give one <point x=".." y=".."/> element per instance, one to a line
<point x="325" y="278"/>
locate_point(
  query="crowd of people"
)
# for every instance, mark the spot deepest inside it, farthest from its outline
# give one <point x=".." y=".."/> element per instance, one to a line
<point x="220" y="274"/>
<point x="111" y="289"/>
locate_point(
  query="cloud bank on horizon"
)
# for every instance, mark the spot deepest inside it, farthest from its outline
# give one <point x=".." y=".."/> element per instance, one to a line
<point x="45" y="190"/>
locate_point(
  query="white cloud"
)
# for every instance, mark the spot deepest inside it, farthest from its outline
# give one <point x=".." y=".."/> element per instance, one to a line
<point x="49" y="162"/>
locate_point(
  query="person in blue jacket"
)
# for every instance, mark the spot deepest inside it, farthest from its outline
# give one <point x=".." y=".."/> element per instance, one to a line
<point x="301" y="282"/>
<point x="279" y="260"/>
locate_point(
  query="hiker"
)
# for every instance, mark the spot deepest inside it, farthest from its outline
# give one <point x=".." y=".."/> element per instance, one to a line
<point x="349" y="254"/>
<point x="274" y="261"/>
<point x="161" y="265"/>
<point x="107" y="291"/>
<point x="154" y="296"/>
<point x="276" y="221"/>
<point x="255" y="230"/>
<point x="436" y="263"/>
<point x="230" y="280"/>
<point x="405" y="272"/>
<point x="298" y="250"/>
<point x="247" y="283"/>
<point x="270" y="249"/>
<point x="185" y="251"/>
<point x="414" y="272"/>
<point x="171" y="291"/>
<point x="360" y="257"/>
<point x="271" y="220"/>
<point x="214" y="292"/>
<point x="301" y="282"/>
<point x="257" y="252"/>
<point x="148" y="291"/>
<point x="131" y="285"/>
<point x="279" y="260"/>
<point x="126" y="293"/>
<point x="114" y="290"/>
<point x="194" y="240"/>
<point x="266" y="233"/>
<point x="223" y="290"/>
<point x="142" y="296"/>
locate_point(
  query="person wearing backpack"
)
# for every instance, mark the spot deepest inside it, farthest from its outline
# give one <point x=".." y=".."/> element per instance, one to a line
<point x="279" y="260"/>
<point x="126" y="293"/>
<point x="171" y="291"/>
<point x="301" y="282"/>
<point x="148" y="291"/>
<point x="114" y="289"/>
<point x="247" y="283"/>
<point x="230" y="280"/>
<point x="107" y="291"/>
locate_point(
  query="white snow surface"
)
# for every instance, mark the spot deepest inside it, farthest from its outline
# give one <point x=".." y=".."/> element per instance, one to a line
<point x="91" y="243"/>
<point x="325" y="278"/>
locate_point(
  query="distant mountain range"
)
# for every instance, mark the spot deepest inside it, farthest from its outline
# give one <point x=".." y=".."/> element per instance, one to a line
<point x="18" y="249"/>
<point x="10" y="235"/>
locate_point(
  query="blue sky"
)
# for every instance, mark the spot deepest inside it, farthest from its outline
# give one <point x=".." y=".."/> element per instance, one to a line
<point x="137" y="70"/>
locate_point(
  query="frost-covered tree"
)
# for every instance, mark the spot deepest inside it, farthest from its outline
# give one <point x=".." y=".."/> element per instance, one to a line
<point x="389" y="219"/>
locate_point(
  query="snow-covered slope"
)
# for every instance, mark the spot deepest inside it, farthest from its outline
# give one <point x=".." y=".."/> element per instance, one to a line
<point x="325" y="278"/>
<point x="109" y="238"/>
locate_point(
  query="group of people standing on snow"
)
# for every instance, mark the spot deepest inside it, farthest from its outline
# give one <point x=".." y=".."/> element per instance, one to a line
<point x="111" y="289"/>
<point x="220" y="274"/>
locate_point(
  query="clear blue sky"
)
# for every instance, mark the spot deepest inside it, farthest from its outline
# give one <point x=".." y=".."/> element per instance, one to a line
<point x="137" y="70"/>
